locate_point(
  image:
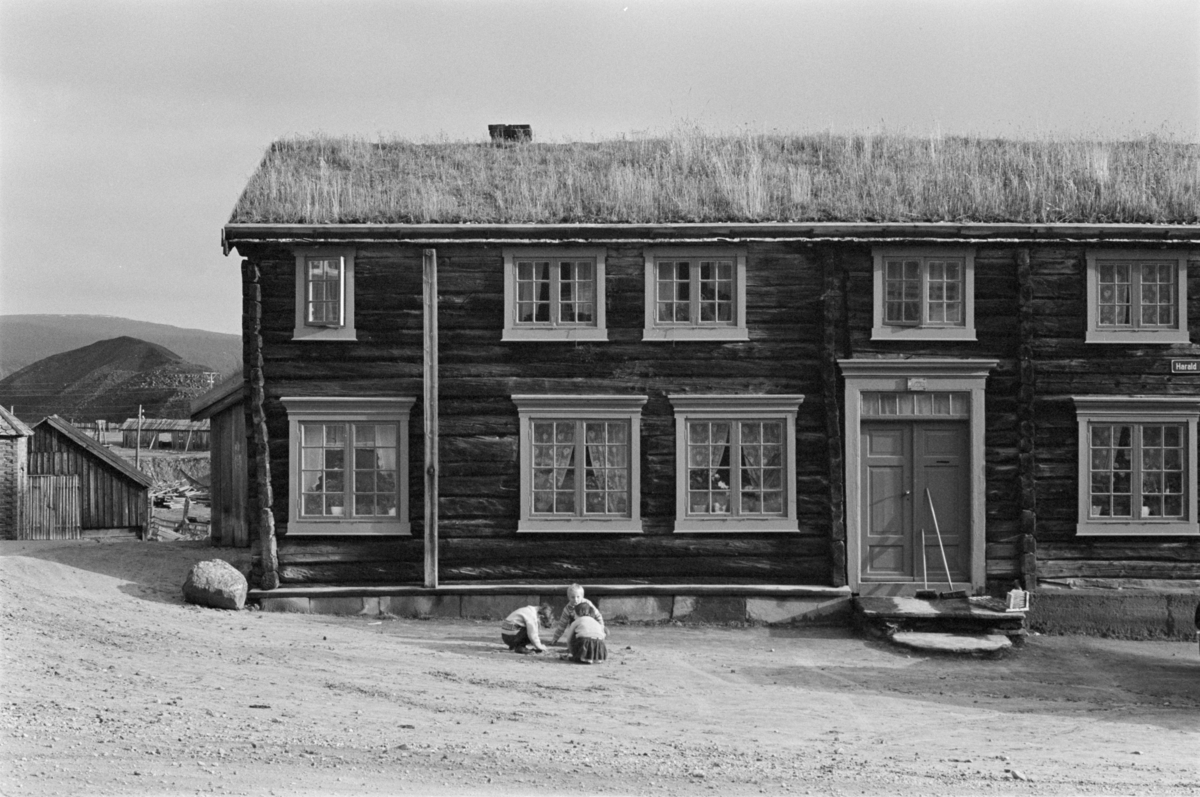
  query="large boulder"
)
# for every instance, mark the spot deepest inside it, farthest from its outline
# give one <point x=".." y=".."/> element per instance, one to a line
<point x="215" y="583"/>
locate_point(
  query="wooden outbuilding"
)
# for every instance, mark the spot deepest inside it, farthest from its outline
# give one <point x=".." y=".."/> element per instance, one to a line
<point x="175" y="434"/>
<point x="668" y="400"/>
<point x="113" y="496"/>
<point x="14" y="459"/>
<point x="224" y="408"/>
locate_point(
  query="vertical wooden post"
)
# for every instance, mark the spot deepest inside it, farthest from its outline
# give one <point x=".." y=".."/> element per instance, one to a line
<point x="261" y="495"/>
<point x="137" y="447"/>
<point x="429" y="283"/>
<point x="1026" y="424"/>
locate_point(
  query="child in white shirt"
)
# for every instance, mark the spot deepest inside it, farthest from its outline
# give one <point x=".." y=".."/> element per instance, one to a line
<point x="520" y="629"/>
<point x="585" y="636"/>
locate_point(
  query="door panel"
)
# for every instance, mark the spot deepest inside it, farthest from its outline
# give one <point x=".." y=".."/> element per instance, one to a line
<point x="887" y="516"/>
<point x="941" y="467"/>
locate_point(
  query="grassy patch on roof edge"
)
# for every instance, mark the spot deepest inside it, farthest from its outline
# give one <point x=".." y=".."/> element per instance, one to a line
<point x="692" y="176"/>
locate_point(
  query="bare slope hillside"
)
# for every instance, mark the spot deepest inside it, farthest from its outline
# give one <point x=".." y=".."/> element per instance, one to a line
<point x="107" y="380"/>
<point x="25" y="339"/>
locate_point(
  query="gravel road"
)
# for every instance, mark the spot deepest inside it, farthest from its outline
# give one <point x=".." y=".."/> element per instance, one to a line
<point x="113" y="686"/>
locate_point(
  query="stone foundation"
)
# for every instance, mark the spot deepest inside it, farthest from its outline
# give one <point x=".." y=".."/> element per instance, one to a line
<point x="825" y="610"/>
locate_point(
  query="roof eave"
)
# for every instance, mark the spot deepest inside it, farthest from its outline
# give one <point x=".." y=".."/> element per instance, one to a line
<point x="815" y="232"/>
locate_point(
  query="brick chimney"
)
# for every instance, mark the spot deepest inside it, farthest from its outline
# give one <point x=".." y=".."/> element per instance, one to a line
<point x="504" y="134"/>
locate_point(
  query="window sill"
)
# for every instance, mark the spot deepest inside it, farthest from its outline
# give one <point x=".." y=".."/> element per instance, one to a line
<point x="567" y="526"/>
<point x="922" y="333"/>
<point x="304" y="528"/>
<point x="346" y="334"/>
<point x="1137" y="337"/>
<point x="1136" y="529"/>
<point x="695" y="333"/>
<point x="740" y="525"/>
<point x="555" y="334"/>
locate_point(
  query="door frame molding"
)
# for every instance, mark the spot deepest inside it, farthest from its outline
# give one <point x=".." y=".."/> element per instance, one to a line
<point x="964" y="375"/>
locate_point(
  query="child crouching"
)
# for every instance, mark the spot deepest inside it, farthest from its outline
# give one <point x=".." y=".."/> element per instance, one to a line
<point x="585" y="636"/>
<point x="520" y="629"/>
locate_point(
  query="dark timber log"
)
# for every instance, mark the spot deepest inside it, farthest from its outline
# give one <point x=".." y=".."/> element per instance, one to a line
<point x="260" y="453"/>
<point x="832" y="349"/>
<point x="1109" y="568"/>
<point x="678" y="569"/>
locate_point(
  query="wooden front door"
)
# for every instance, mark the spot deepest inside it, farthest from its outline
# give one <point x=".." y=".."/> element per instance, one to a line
<point x="912" y="470"/>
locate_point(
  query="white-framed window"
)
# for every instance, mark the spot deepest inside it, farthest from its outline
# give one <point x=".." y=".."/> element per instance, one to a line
<point x="554" y="294"/>
<point x="1136" y="297"/>
<point x="580" y="459"/>
<point x="1137" y="465"/>
<point x="324" y="294"/>
<point x="348" y="465"/>
<point x="735" y="462"/>
<point x="695" y="294"/>
<point x="924" y="293"/>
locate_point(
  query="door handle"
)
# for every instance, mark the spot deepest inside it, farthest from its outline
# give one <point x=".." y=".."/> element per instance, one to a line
<point x="907" y="493"/>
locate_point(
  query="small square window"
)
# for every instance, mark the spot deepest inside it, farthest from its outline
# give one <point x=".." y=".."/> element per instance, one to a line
<point x="735" y="462"/>
<point x="924" y="294"/>
<point x="695" y="294"/>
<point x="580" y="463"/>
<point x="348" y="465"/>
<point x="1137" y="465"/>
<point x="1136" y="297"/>
<point x="554" y="294"/>
<point x="324" y="295"/>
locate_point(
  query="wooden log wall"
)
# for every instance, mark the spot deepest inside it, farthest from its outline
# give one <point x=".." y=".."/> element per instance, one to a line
<point x="805" y="307"/>
<point x="1067" y="366"/>
<point x="479" y="482"/>
<point x="996" y="328"/>
<point x="109" y="500"/>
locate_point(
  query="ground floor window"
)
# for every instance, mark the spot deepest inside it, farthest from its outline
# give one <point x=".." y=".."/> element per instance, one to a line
<point x="580" y="462"/>
<point x="735" y="462"/>
<point x="1137" y="465"/>
<point x="348" y="462"/>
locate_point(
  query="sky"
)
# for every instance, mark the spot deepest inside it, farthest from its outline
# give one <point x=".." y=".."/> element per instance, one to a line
<point x="128" y="129"/>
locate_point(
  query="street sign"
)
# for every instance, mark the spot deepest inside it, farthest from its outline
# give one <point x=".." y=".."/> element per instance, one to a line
<point x="1185" y="367"/>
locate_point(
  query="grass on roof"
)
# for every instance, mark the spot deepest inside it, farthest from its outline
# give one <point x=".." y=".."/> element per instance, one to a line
<point x="692" y="176"/>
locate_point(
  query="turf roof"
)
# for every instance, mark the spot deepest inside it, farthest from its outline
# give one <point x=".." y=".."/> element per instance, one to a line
<point x="692" y="176"/>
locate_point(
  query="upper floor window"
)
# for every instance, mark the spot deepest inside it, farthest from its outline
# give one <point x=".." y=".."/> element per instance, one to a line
<point x="735" y="462"/>
<point x="554" y="294"/>
<point x="348" y="465"/>
<point x="324" y="294"/>
<point x="924" y="294"/>
<point x="695" y="294"/>
<point x="580" y="463"/>
<point x="1137" y="465"/>
<point x="1136" y="297"/>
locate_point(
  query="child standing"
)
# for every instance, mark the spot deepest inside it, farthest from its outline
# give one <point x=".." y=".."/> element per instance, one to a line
<point x="585" y="636"/>
<point x="520" y="629"/>
<point x="575" y="599"/>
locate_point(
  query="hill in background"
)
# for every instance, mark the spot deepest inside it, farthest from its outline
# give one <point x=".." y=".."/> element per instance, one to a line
<point x="25" y="339"/>
<point x="106" y="381"/>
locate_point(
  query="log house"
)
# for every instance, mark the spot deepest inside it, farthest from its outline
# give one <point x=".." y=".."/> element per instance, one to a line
<point x="742" y="408"/>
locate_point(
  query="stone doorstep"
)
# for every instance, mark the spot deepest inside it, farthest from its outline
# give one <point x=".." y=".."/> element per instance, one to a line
<point x="961" y="644"/>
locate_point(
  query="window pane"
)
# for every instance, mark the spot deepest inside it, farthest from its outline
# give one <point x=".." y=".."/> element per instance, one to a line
<point x="607" y="480"/>
<point x="708" y="470"/>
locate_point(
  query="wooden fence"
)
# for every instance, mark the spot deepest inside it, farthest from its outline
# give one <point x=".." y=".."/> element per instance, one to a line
<point x="49" y="508"/>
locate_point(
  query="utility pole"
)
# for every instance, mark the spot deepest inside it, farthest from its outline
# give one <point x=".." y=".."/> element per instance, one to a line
<point x="137" y="446"/>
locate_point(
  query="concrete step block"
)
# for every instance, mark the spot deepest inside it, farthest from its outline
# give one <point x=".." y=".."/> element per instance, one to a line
<point x="299" y="605"/>
<point x="708" y="609"/>
<point x="639" y="608"/>
<point x="797" y="610"/>
<point x="422" y="605"/>
<point x="495" y="607"/>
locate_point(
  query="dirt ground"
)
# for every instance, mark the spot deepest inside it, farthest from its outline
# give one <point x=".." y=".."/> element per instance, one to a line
<point x="111" y="685"/>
